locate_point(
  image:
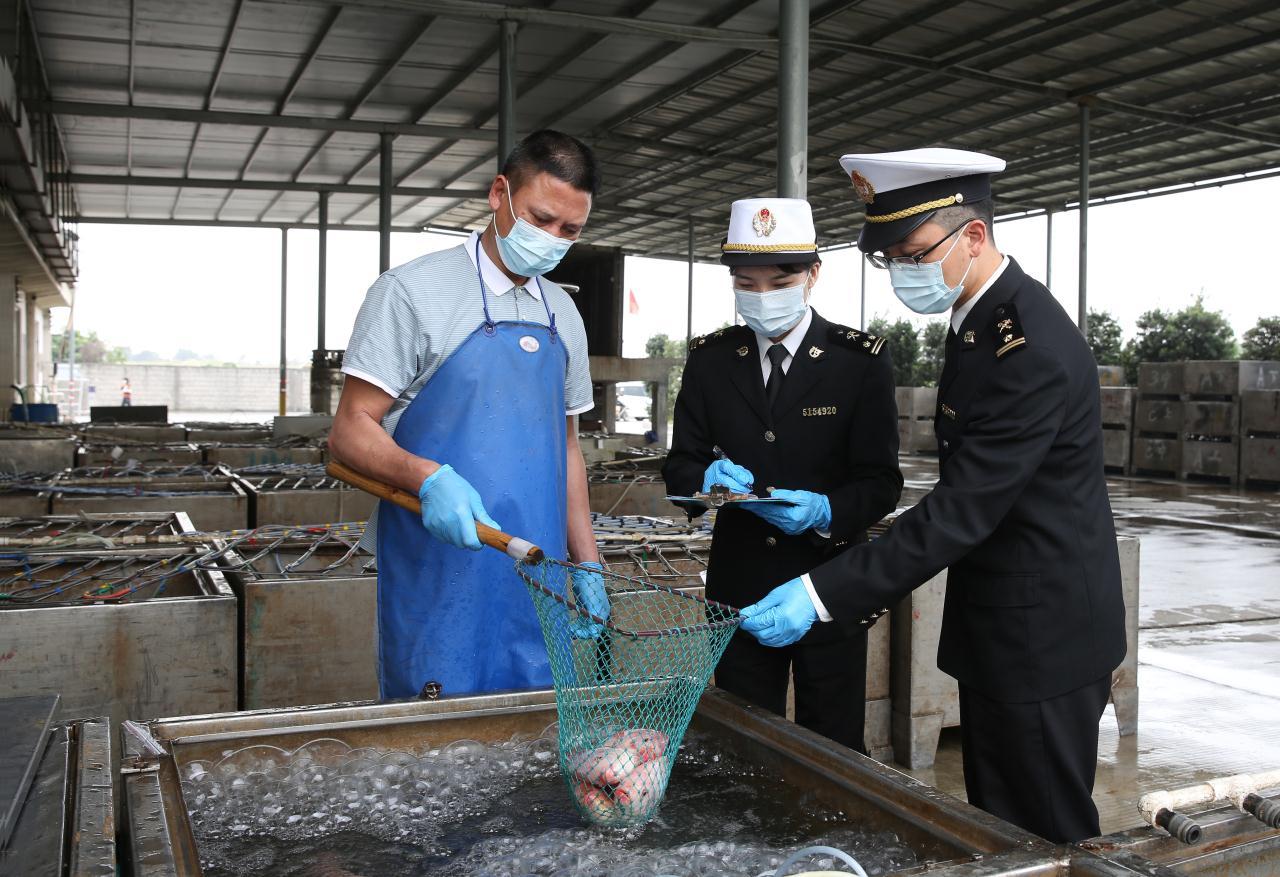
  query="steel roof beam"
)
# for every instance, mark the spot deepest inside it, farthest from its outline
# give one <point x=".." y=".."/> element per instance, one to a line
<point x="850" y="91"/>
<point x="291" y="88"/>
<point x="714" y="20"/>
<point x="227" y="223"/>
<point x="649" y="59"/>
<point x="128" y="125"/>
<point x="471" y="10"/>
<point x="258" y="185"/>
<point x="214" y="80"/>
<point x="421" y="111"/>
<point x="734" y="59"/>
<point x="371" y="85"/>
<point x="841" y="96"/>
<point x="548" y="70"/>
<point x="478" y="120"/>
<point x="267" y="120"/>
<point x="694" y="33"/>
<point x="1208" y="119"/>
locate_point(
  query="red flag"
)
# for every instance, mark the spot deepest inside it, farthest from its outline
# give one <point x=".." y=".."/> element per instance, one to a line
<point x="633" y="306"/>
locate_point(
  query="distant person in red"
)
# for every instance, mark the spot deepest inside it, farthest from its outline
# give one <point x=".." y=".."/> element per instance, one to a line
<point x="126" y="394"/>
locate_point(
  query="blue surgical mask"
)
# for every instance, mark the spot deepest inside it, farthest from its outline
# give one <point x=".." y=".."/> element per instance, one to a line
<point x="771" y="313"/>
<point x="527" y="250"/>
<point x="922" y="287"/>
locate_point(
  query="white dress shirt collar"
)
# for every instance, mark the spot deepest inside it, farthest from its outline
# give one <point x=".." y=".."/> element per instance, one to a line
<point x="958" y="314"/>
<point x="791" y="340"/>
<point x="495" y="280"/>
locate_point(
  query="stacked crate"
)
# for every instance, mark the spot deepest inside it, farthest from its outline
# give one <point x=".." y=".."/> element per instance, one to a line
<point x="1189" y="423"/>
<point x="1157" y="422"/>
<point x="917" y="406"/>
<point x="1117" y="428"/>
<point x="1260" y="438"/>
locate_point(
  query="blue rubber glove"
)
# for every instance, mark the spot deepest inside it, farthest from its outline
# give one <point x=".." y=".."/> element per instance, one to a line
<point x="812" y="511"/>
<point x="589" y="593"/>
<point x="451" y="507"/>
<point x="782" y="617"/>
<point x="737" y="478"/>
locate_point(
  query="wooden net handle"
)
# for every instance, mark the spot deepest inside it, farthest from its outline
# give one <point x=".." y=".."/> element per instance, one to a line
<point x="512" y="546"/>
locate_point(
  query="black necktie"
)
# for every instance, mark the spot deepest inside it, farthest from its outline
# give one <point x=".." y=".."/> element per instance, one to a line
<point x="777" y="353"/>
<point x="949" y="362"/>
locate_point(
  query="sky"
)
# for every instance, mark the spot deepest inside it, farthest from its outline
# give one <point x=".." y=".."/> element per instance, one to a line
<point x="217" y="291"/>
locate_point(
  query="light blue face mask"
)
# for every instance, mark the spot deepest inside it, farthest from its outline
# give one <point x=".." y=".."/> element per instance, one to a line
<point x="771" y="313"/>
<point x="922" y="287"/>
<point x="528" y="250"/>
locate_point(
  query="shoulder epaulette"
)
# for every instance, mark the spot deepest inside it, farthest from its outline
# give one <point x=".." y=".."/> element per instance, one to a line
<point x="717" y="337"/>
<point x="869" y="344"/>
<point x="1009" y="335"/>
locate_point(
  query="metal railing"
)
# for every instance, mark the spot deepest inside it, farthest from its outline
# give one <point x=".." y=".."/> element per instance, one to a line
<point x="49" y="153"/>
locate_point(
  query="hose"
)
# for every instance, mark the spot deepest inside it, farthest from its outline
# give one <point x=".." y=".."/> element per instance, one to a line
<point x="816" y="851"/>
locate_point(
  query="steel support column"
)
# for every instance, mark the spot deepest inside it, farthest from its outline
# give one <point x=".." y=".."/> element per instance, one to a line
<point x="1048" y="249"/>
<point x="1083" y="310"/>
<point x="385" y="183"/>
<point x="284" y="312"/>
<point x="322" y="268"/>
<point x="506" y="90"/>
<point x="793" y="99"/>
<point x="688" y="326"/>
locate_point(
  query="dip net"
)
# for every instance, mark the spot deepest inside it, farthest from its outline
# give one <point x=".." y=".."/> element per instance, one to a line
<point x="627" y="685"/>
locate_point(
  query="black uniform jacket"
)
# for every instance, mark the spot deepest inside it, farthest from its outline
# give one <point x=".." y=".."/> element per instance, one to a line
<point x="1020" y="515"/>
<point x="833" y="430"/>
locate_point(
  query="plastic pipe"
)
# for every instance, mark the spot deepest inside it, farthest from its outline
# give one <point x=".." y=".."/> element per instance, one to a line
<point x="1235" y="789"/>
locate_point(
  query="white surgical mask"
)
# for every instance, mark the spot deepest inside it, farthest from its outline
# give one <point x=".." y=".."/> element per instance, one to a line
<point x="771" y="313"/>
<point x="922" y="287"/>
<point x="527" y="250"/>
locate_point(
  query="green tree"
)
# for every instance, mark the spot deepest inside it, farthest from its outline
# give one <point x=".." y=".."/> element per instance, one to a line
<point x="933" y="351"/>
<point x="661" y="345"/>
<point x="1193" y="333"/>
<point x="904" y="347"/>
<point x="1263" y="340"/>
<point x="89" y="348"/>
<point x="1105" y="338"/>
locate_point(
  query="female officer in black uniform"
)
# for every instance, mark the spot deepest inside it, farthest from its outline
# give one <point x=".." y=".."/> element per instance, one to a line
<point x="793" y="406"/>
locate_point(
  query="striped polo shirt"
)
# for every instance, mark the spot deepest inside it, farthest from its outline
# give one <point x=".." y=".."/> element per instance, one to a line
<point x="417" y="314"/>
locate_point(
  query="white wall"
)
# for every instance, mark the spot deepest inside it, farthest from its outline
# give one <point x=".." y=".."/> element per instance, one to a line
<point x="196" y="388"/>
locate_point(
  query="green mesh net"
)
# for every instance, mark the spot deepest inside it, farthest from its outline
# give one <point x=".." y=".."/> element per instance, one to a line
<point x="625" y="695"/>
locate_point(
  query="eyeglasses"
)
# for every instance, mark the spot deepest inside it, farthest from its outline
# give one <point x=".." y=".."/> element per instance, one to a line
<point x="879" y="260"/>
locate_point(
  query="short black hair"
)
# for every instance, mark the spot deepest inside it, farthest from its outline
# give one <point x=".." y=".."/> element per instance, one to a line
<point x="985" y="210"/>
<point x="784" y="267"/>
<point x="553" y="152"/>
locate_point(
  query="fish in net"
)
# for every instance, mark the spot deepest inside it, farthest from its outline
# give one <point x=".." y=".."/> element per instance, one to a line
<point x="625" y="695"/>
<point x="626" y="685"/>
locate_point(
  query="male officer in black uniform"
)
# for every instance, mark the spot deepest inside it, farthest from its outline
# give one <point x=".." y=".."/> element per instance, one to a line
<point x="800" y="408"/>
<point x="1034" y="618"/>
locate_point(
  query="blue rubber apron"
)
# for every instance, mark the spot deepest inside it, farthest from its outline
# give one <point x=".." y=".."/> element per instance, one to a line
<point x="495" y="412"/>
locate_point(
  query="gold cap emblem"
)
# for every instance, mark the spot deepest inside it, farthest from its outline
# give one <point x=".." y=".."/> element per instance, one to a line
<point x="764" y="222"/>
<point x="862" y="188"/>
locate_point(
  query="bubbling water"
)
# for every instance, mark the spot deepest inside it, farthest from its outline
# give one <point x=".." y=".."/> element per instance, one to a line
<point x="469" y="809"/>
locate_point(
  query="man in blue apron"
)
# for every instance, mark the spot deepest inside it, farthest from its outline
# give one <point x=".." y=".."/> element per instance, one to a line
<point x="465" y="375"/>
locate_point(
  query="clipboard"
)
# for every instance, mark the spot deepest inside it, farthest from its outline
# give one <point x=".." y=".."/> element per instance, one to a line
<point x="701" y="504"/>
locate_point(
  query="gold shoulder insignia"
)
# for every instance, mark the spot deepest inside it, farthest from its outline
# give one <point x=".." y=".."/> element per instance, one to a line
<point x="1009" y="335"/>
<point x="869" y="344"/>
<point x="728" y="333"/>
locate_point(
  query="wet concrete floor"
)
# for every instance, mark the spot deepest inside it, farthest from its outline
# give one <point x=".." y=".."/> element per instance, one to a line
<point x="1209" y="642"/>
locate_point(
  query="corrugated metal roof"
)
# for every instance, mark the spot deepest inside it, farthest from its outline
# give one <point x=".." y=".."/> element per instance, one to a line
<point x="1181" y="91"/>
